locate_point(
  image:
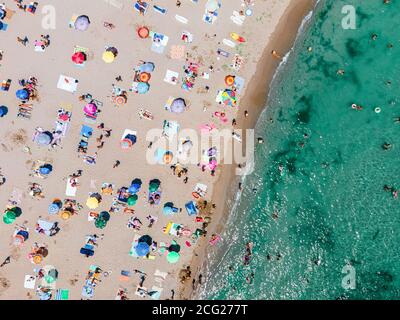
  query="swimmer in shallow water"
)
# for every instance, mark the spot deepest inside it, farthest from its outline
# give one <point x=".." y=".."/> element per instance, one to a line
<point x="386" y="146"/>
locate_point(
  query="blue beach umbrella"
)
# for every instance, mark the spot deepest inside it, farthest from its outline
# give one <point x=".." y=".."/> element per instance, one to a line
<point x="22" y="94"/>
<point x="142" y="249"/>
<point x="3" y="111"/>
<point x="143" y="87"/>
<point x="44" y="138"/>
<point x="53" y="208"/>
<point x="178" y="105"/>
<point x="147" y="67"/>
<point x="82" y="23"/>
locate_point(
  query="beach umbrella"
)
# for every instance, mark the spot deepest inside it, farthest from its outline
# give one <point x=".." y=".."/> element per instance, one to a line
<point x="82" y="23"/>
<point x="168" y="210"/>
<point x="147" y="67"/>
<point x="3" y="111"/>
<point x="104" y="215"/>
<point x="173" y="257"/>
<point x="2" y="14"/>
<point x="17" y="211"/>
<point x="100" y="223"/>
<point x="229" y="80"/>
<point x="22" y="94"/>
<point x="154" y="185"/>
<point x="79" y="57"/>
<point x="143" y="32"/>
<point x="212" y="5"/>
<point x="178" y="105"/>
<point x="46" y="169"/>
<point x="142" y="249"/>
<point x="51" y="276"/>
<point x="144" y="77"/>
<point x="65" y="215"/>
<point x="53" y="208"/>
<point x="108" y="57"/>
<point x="135" y="186"/>
<point x="146" y="238"/>
<point x="229" y="97"/>
<point x="143" y="87"/>
<point x="9" y="217"/>
<point x="92" y="203"/>
<point x="132" y="200"/>
<point x="121" y="99"/>
<point x="90" y="109"/>
<point x="44" y="138"/>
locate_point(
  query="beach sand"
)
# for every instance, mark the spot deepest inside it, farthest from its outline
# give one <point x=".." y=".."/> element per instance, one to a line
<point x="96" y="78"/>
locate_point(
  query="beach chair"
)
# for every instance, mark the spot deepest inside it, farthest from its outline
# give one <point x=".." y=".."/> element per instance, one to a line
<point x="159" y="9"/>
<point x="141" y="7"/>
<point x="5" y="85"/>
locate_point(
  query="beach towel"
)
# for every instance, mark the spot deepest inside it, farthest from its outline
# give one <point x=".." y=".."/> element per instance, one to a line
<point x="115" y="4"/>
<point x="3" y="26"/>
<point x="62" y="294"/>
<point x="70" y="190"/>
<point x="29" y="282"/>
<point x="171" y="77"/>
<point x="67" y="84"/>
<point x="237" y="18"/>
<point x="170" y="129"/>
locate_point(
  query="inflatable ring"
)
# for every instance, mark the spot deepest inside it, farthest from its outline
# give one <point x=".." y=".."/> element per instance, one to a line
<point x="229" y="80"/>
<point x="143" y="32"/>
<point x="195" y="195"/>
<point x="120" y="99"/>
<point x="144" y="77"/>
<point x="377" y="110"/>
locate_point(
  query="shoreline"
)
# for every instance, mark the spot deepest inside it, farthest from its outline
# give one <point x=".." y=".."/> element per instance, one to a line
<point x="256" y="94"/>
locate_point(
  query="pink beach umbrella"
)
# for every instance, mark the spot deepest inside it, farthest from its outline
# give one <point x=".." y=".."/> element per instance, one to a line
<point x="90" y="109"/>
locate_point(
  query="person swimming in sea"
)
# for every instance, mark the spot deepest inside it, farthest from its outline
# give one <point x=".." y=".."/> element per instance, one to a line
<point x="386" y="146"/>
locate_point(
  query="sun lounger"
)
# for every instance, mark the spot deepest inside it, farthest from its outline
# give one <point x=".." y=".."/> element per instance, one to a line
<point x="181" y="19"/>
<point x="159" y="9"/>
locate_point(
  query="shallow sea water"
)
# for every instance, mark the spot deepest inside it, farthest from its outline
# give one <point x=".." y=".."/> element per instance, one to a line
<point x="330" y="200"/>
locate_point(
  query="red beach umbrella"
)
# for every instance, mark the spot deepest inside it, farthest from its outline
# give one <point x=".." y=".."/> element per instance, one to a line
<point x="143" y="32"/>
<point x="79" y="57"/>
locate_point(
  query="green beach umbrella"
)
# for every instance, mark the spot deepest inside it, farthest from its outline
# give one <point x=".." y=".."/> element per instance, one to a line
<point x="9" y="217"/>
<point x="51" y="276"/>
<point x="173" y="257"/>
<point x="132" y="200"/>
<point x="154" y="185"/>
<point x="100" y="223"/>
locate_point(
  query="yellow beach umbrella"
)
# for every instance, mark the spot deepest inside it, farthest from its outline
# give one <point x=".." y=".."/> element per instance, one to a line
<point x="92" y="203"/>
<point x="108" y="57"/>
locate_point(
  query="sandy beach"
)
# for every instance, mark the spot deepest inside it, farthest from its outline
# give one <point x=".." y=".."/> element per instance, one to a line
<point x="278" y="20"/>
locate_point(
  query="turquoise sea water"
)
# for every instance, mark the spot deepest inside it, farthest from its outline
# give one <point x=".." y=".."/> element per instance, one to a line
<point x="330" y="200"/>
